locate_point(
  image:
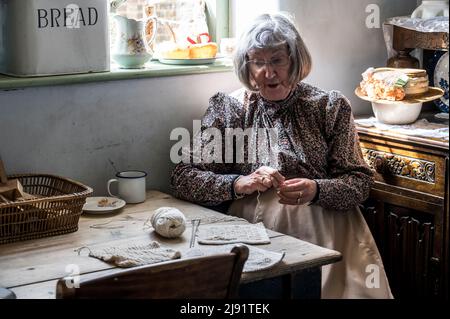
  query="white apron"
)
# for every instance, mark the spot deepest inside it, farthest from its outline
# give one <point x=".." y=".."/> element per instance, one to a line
<point x="360" y="273"/>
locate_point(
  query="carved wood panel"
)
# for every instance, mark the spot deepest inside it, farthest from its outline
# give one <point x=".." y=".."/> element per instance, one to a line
<point x="405" y="240"/>
<point x="408" y="256"/>
<point x="392" y="164"/>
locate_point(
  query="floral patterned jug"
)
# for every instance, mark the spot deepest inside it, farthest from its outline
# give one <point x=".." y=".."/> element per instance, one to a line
<point x="131" y="48"/>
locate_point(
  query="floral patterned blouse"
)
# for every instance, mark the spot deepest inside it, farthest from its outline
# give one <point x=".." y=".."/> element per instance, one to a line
<point x="316" y="139"/>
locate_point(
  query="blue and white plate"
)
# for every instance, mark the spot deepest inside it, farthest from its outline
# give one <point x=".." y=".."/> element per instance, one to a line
<point x="440" y="80"/>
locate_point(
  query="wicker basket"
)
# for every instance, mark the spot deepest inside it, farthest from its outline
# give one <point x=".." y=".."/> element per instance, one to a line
<point x="55" y="210"/>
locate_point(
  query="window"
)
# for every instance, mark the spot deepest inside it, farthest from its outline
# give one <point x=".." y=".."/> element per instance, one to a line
<point x="177" y="19"/>
<point x="243" y="12"/>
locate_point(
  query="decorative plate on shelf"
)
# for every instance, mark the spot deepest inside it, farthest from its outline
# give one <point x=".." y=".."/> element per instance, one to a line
<point x="440" y="79"/>
<point x="189" y="61"/>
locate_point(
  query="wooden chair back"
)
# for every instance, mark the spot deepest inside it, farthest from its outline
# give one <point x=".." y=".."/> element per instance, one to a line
<point x="207" y="277"/>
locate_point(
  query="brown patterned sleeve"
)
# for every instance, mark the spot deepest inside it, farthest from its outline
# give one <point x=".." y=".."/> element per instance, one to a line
<point x="350" y="178"/>
<point x="209" y="181"/>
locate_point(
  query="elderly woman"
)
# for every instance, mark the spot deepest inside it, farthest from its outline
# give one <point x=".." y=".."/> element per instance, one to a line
<point x="305" y="180"/>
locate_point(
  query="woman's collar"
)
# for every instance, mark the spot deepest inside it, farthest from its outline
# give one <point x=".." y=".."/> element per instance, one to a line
<point x="278" y="107"/>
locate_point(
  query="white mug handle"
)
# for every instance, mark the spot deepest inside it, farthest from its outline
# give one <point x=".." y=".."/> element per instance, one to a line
<point x="109" y="185"/>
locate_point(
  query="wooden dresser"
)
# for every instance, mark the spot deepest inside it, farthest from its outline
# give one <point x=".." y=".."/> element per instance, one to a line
<point x="408" y="210"/>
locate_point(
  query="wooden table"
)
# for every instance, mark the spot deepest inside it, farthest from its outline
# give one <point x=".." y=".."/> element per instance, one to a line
<point x="31" y="268"/>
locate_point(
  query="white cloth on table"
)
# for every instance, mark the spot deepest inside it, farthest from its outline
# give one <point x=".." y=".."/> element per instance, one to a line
<point x="343" y="231"/>
<point x="420" y="127"/>
<point x="134" y="255"/>
<point x="227" y="234"/>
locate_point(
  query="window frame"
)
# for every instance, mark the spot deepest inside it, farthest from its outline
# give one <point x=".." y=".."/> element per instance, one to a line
<point x="218" y="21"/>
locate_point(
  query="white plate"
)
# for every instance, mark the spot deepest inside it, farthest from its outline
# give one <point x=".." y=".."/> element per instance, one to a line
<point x="189" y="61"/>
<point x="92" y="205"/>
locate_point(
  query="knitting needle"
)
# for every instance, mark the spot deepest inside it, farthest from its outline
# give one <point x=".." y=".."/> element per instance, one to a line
<point x="195" y="224"/>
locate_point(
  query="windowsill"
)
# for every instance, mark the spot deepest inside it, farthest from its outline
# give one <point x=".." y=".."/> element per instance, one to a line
<point x="152" y="69"/>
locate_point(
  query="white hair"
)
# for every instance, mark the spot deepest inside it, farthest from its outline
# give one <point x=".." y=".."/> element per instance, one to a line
<point x="270" y="31"/>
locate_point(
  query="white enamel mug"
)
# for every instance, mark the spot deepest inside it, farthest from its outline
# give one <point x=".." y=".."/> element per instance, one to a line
<point x="130" y="186"/>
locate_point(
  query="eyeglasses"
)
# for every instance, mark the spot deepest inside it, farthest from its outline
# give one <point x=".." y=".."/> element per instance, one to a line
<point x="258" y="65"/>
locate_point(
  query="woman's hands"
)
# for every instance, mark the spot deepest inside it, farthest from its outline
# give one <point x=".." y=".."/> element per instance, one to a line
<point x="260" y="180"/>
<point x="297" y="191"/>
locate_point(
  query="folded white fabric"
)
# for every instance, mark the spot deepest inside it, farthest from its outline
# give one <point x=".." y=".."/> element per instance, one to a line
<point x="421" y="128"/>
<point x="258" y="259"/>
<point x="134" y="255"/>
<point x="227" y="234"/>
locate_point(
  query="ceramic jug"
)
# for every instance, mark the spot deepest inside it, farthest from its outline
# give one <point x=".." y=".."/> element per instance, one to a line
<point x="132" y="47"/>
<point x="431" y="9"/>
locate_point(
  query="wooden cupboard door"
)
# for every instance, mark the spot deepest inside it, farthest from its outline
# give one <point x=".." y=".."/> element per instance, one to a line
<point x="405" y="240"/>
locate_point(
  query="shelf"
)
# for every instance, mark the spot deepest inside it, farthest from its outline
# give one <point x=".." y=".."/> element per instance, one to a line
<point x="151" y="70"/>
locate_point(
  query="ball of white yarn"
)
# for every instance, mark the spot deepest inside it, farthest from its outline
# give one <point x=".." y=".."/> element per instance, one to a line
<point x="168" y="222"/>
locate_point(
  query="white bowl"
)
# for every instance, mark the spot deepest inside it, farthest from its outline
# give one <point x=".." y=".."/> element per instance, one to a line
<point x="396" y="112"/>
